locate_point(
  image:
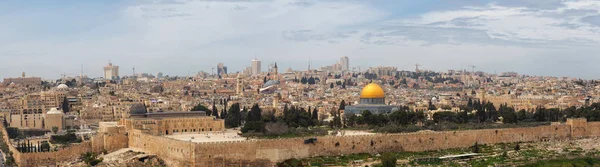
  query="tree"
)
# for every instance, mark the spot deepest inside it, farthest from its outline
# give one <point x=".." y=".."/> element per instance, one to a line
<point x="315" y="114"/>
<point x="470" y="103"/>
<point x="91" y="159"/>
<point x="215" y="111"/>
<point x="65" y="105"/>
<point x="234" y="116"/>
<point x="311" y="81"/>
<point x="337" y="120"/>
<point x="431" y="106"/>
<point x="223" y="114"/>
<point x="517" y="147"/>
<point x="54" y="129"/>
<point x="254" y="120"/>
<point x="342" y="105"/>
<point x="446" y="116"/>
<point x="200" y="107"/>
<point x="331" y="86"/>
<point x="476" y="148"/>
<point x="509" y="117"/>
<point x="388" y="160"/>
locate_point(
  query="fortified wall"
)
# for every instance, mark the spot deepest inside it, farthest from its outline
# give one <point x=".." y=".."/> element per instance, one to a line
<point x="268" y="152"/>
<point x="102" y="142"/>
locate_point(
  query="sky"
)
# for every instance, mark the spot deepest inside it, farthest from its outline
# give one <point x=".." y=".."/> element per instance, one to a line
<point x="182" y="37"/>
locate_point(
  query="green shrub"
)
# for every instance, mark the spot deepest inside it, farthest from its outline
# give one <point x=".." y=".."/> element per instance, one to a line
<point x="65" y="139"/>
<point x="91" y="159"/>
<point x="388" y="160"/>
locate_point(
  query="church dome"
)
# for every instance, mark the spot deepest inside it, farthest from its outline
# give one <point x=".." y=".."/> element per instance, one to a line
<point x="372" y="91"/>
<point x="62" y="86"/>
<point x="137" y="109"/>
<point x="54" y="111"/>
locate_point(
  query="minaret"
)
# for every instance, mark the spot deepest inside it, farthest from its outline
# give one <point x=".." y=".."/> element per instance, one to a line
<point x="276" y="73"/>
<point x="238" y="88"/>
<point x="276" y="98"/>
<point x="81" y="74"/>
<point x="308" y="64"/>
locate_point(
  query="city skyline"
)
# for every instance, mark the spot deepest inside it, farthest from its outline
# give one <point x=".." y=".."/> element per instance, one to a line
<point x="264" y="83"/>
<point x="100" y="72"/>
<point x="549" y="38"/>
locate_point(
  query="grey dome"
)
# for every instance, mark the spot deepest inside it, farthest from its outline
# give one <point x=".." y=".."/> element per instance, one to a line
<point x="137" y="109"/>
<point x="271" y="82"/>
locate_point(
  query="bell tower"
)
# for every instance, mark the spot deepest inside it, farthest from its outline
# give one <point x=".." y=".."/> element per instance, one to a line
<point x="239" y="84"/>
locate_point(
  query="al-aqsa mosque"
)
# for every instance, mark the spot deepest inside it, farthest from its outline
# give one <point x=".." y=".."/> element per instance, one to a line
<point x="372" y="98"/>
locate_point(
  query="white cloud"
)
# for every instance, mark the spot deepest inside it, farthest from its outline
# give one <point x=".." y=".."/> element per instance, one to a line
<point x="177" y="37"/>
<point x="518" y="25"/>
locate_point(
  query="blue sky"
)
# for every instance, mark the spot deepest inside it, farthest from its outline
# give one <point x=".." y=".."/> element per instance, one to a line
<point x="178" y="37"/>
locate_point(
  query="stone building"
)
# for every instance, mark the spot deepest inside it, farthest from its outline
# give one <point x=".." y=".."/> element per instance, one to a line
<point x="54" y="118"/>
<point x="25" y="81"/>
<point x="169" y="123"/>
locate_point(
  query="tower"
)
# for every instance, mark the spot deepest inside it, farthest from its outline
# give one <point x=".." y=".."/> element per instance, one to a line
<point x="256" y="67"/>
<point x="23" y="74"/>
<point x="276" y="98"/>
<point x="238" y="87"/>
<point x="111" y="72"/>
<point x="345" y="63"/>
<point x="417" y="67"/>
<point x="309" y="64"/>
<point x="275" y="72"/>
<point x="221" y="69"/>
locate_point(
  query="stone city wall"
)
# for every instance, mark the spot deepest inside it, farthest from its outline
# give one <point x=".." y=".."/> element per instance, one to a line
<point x="266" y="152"/>
<point x="51" y="158"/>
<point x="173" y="152"/>
<point x="97" y="144"/>
<point x="593" y="129"/>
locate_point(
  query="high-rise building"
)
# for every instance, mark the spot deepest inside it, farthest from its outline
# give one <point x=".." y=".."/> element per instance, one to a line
<point x="255" y="67"/>
<point x="345" y="62"/>
<point x="159" y="75"/>
<point x="221" y="69"/>
<point x="111" y="72"/>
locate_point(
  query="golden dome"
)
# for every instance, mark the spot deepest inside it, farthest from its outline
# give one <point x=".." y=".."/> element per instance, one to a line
<point x="372" y="91"/>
